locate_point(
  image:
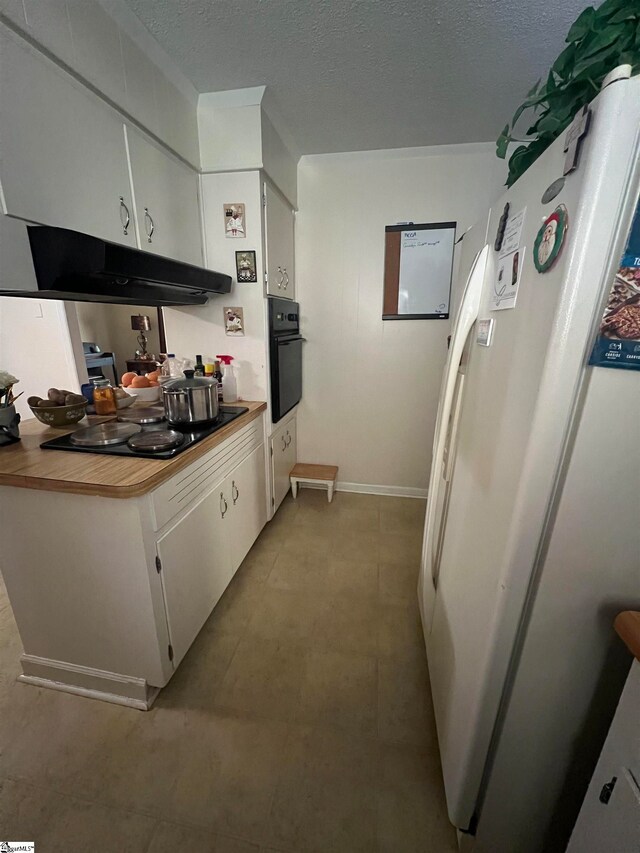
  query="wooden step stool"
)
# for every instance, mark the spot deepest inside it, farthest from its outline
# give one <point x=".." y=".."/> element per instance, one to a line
<point x="322" y="475"/>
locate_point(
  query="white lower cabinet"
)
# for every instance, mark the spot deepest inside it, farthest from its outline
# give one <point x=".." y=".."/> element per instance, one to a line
<point x="283" y="451"/>
<point x="113" y="615"/>
<point x="609" y="819"/>
<point x="247" y="505"/>
<point x="199" y="554"/>
<point x="196" y="568"/>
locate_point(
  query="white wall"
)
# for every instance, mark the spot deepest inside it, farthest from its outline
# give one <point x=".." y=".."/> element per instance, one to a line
<point x="260" y="145"/>
<point x="278" y="162"/>
<point x="371" y="387"/>
<point x="200" y="329"/>
<point x="35" y="340"/>
<point x="35" y="346"/>
<point x="220" y="115"/>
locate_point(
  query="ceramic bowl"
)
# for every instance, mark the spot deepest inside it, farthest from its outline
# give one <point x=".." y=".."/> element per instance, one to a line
<point x="145" y="395"/>
<point x="60" y="416"/>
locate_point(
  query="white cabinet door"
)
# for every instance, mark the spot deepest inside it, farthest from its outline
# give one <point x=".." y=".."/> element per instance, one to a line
<point x="283" y="458"/>
<point x="609" y="819"/>
<point x="64" y="161"/>
<point x="247" y="508"/>
<point x="195" y="567"/>
<point x="166" y="201"/>
<point x="613" y="824"/>
<point x="279" y="225"/>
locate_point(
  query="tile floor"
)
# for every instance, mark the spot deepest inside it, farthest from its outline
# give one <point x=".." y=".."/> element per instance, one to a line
<point x="299" y="721"/>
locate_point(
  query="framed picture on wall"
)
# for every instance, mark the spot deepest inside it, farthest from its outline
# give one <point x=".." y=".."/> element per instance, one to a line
<point x="234" y="220"/>
<point x="234" y="321"/>
<point x="246" y="267"/>
<point x="418" y="264"/>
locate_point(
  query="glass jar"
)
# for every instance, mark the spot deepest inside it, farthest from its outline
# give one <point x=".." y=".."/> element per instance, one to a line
<point x="104" y="399"/>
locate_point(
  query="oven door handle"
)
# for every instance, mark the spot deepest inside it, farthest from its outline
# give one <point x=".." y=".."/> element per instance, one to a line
<point x="286" y="341"/>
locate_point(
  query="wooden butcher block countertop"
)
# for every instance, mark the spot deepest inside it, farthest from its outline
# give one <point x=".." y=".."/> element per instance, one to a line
<point x="26" y="465"/>
<point x="627" y="625"/>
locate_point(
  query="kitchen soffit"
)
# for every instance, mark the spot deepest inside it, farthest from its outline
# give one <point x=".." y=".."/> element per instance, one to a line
<point x="348" y="75"/>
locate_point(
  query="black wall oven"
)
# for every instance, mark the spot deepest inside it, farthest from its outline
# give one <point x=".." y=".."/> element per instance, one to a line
<point x="285" y="355"/>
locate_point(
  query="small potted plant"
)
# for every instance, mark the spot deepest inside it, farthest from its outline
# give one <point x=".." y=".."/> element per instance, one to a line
<point x="9" y="418"/>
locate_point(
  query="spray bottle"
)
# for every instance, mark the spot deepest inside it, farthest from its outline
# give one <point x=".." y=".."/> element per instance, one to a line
<point x="229" y="386"/>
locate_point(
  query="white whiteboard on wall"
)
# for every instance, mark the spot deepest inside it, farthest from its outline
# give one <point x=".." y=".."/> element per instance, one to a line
<point x="418" y="268"/>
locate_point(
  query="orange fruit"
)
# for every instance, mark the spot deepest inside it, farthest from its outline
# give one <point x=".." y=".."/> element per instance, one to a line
<point x="153" y="376"/>
<point x="140" y="382"/>
<point x="127" y="378"/>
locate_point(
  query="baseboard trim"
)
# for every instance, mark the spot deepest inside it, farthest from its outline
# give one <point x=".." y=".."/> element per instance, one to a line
<point x="86" y="681"/>
<point x="372" y="489"/>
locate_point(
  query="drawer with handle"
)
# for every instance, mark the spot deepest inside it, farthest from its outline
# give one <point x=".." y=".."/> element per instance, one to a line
<point x="205" y="473"/>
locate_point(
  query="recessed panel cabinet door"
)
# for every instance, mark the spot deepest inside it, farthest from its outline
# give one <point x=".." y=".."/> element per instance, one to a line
<point x="196" y="567"/>
<point x="279" y="232"/>
<point x="64" y="161"/>
<point x="166" y="200"/>
<point x="248" y="508"/>
<point x="283" y="458"/>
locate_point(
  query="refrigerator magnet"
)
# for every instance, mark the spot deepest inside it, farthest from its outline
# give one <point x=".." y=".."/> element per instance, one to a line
<point x="485" y="332"/>
<point x="550" y="239"/>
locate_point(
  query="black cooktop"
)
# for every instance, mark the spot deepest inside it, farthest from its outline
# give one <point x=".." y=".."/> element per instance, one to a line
<point x="191" y="437"/>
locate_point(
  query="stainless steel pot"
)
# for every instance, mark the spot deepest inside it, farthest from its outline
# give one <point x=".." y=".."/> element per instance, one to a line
<point x="192" y="400"/>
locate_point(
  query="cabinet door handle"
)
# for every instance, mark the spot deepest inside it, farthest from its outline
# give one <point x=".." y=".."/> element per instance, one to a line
<point x="126" y="219"/>
<point x="284" y="442"/>
<point x="280" y="278"/>
<point x="288" y="439"/>
<point x="149" y="225"/>
<point x="224" y="504"/>
<point x="235" y="489"/>
<point x="607" y="790"/>
<point x="285" y="278"/>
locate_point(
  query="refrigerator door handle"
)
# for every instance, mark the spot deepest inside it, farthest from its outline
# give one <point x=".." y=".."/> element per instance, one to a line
<point x="466" y="317"/>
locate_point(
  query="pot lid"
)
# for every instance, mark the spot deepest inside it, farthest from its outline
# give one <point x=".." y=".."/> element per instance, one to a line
<point x="189" y="381"/>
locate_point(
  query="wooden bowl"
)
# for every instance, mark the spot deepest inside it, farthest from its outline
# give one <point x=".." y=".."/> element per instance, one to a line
<point x="59" y="417"/>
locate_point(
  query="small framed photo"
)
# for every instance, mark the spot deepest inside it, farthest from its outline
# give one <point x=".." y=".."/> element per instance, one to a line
<point x="234" y="221"/>
<point x="234" y="321"/>
<point x="246" y="267"/>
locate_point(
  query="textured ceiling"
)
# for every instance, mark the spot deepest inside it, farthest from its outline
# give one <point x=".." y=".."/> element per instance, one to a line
<point x="350" y="75"/>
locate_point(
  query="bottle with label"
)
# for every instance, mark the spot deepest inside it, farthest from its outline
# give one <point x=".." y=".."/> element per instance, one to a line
<point x="229" y="386"/>
<point x="198" y="370"/>
<point x="217" y="375"/>
<point x="103" y="397"/>
<point x="171" y="366"/>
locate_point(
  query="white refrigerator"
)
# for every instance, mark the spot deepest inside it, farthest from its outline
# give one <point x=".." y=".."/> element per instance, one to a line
<point x="532" y="533"/>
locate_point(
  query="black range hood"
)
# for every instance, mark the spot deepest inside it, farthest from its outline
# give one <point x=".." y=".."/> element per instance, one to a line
<point x="78" y="267"/>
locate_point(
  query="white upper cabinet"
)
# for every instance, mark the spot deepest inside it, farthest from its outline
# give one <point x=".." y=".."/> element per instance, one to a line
<point x="166" y="201"/>
<point x="279" y="225"/>
<point x="63" y="158"/>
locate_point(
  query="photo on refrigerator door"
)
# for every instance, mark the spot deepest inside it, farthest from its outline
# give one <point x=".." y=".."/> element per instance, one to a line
<point x="618" y="340"/>
<point x="505" y="286"/>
